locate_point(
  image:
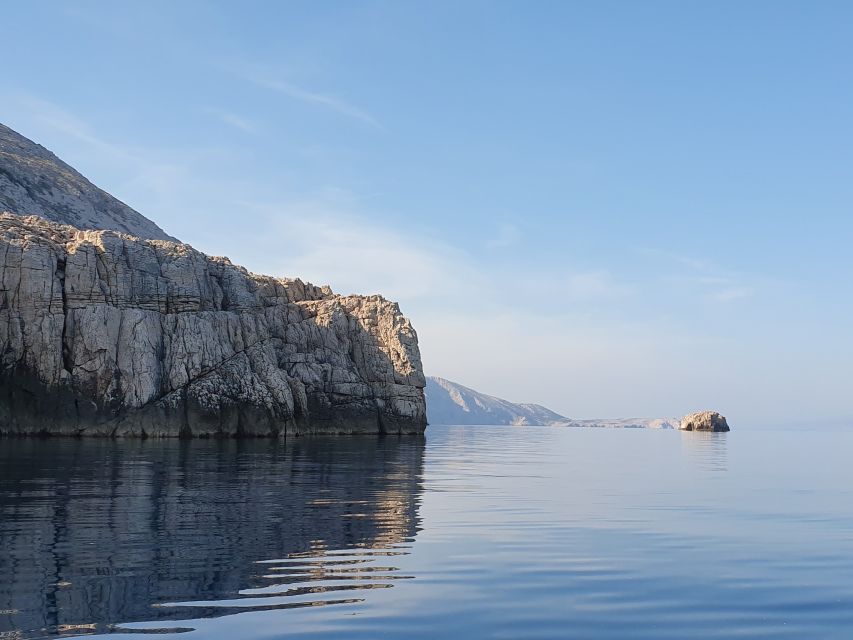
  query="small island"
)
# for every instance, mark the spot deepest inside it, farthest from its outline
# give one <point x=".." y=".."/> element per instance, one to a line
<point x="704" y="421"/>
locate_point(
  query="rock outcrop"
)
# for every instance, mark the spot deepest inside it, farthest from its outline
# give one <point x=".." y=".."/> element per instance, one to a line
<point x="704" y="421"/>
<point x="33" y="181"/>
<point x="102" y="333"/>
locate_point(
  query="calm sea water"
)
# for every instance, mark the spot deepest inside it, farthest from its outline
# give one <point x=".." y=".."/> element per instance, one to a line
<point x="472" y="532"/>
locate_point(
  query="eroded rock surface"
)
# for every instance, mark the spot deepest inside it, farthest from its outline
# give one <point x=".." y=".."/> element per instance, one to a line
<point x="102" y="333"/>
<point x="704" y="421"/>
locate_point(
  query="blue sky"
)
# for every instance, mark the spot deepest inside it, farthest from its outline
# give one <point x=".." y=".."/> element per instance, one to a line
<point x="612" y="208"/>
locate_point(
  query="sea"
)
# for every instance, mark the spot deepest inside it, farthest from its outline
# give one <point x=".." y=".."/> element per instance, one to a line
<point x="466" y="532"/>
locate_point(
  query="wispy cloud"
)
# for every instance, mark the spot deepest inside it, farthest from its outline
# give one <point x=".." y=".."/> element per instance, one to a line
<point x="330" y="244"/>
<point x="733" y="293"/>
<point x="233" y="120"/>
<point x="594" y="285"/>
<point x="507" y="235"/>
<point x="709" y="281"/>
<point x="322" y="100"/>
<point x="50" y="115"/>
<point x="353" y="254"/>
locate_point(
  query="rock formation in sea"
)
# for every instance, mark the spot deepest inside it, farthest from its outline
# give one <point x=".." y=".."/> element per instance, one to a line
<point x="704" y="421"/>
<point x="104" y="333"/>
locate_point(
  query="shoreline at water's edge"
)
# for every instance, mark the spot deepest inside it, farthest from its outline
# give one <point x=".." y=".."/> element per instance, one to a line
<point x="222" y="437"/>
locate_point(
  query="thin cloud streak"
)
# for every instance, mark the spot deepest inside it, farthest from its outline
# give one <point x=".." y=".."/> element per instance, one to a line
<point x="54" y="117"/>
<point x="714" y="283"/>
<point x="233" y="120"/>
<point x="323" y="100"/>
<point x="733" y="293"/>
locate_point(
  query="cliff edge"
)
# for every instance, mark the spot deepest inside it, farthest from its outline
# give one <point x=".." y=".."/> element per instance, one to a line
<point x="103" y="333"/>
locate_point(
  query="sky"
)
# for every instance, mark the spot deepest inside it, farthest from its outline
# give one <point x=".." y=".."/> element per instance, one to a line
<point x="615" y="209"/>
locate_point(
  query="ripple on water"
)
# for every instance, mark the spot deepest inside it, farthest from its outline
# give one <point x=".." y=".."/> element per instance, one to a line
<point x="476" y="532"/>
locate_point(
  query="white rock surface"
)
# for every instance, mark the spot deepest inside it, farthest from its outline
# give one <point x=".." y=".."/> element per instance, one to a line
<point x="103" y="333"/>
<point x="704" y="421"/>
<point x="33" y="181"/>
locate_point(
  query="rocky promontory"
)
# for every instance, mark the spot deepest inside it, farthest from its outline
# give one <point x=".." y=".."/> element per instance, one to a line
<point x="111" y="327"/>
<point x="704" y="421"/>
<point x="103" y="333"/>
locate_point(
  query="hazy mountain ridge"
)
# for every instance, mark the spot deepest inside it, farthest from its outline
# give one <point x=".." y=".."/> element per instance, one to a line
<point x="33" y="181"/>
<point x="452" y="403"/>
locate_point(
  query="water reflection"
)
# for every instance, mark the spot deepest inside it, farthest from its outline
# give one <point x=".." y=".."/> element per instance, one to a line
<point x="98" y="532"/>
<point x="709" y="449"/>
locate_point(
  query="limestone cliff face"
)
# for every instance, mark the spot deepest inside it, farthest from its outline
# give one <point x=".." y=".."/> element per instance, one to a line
<point x="102" y="333"/>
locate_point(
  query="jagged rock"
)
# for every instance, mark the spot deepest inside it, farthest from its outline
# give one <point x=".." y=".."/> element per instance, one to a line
<point x="102" y="333"/>
<point x="704" y="421"/>
<point x="33" y="181"/>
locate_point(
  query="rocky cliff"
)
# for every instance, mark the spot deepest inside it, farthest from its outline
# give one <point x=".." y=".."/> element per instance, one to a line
<point x="102" y="333"/>
<point x="33" y="181"/>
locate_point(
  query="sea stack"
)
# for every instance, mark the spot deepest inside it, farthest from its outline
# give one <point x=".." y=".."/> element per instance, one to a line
<point x="704" y="421"/>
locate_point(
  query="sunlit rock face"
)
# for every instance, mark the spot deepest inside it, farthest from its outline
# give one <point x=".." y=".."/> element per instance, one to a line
<point x="704" y="421"/>
<point x="102" y="333"/>
<point x="33" y="181"/>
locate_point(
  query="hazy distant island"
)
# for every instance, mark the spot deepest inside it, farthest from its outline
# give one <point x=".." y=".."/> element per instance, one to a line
<point x="452" y="403"/>
<point x="111" y="327"/>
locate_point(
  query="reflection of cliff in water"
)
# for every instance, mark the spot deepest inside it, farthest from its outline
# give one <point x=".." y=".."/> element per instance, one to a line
<point x="95" y="532"/>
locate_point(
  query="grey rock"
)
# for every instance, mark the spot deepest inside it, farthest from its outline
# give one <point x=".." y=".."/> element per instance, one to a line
<point x="102" y="333"/>
<point x="33" y="181"/>
<point x="704" y="421"/>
